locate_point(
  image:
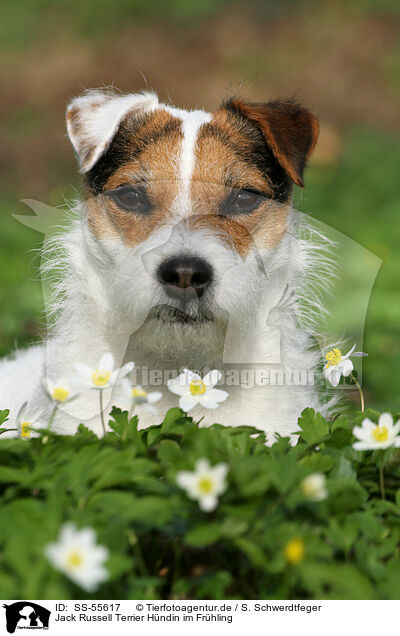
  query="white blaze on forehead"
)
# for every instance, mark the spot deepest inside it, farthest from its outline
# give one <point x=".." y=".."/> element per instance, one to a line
<point x="191" y="123"/>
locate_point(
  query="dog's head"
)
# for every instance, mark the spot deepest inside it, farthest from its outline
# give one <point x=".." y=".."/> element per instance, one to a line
<point x="187" y="211"/>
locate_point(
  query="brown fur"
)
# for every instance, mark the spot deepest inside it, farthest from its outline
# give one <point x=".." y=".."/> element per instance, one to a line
<point x="289" y="130"/>
<point x="223" y="160"/>
<point x="155" y="165"/>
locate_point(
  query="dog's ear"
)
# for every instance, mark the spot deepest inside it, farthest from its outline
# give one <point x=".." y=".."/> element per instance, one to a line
<point x="289" y="130"/>
<point x="94" y="119"/>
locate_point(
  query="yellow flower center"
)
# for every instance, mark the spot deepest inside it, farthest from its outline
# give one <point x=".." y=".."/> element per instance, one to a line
<point x="333" y="357"/>
<point x="60" y="394"/>
<point x="294" y="551"/>
<point x="74" y="559"/>
<point x="206" y="485"/>
<point x="26" y="429"/>
<point x="380" y="433"/>
<point x="138" y="393"/>
<point x="197" y="387"/>
<point x="100" y="377"/>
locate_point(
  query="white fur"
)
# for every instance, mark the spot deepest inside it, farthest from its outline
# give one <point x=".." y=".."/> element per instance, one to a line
<point x="191" y="122"/>
<point x="99" y="115"/>
<point x="103" y="299"/>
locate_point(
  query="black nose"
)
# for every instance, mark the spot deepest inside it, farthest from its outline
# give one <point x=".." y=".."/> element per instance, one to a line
<point x="184" y="275"/>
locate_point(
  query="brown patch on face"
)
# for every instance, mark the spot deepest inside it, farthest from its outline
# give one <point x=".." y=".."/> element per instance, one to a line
<point x="225" y="155"/>
<point x="151" y="153"/>
<point x="231" y="153"/>
<point x="263" y="228"/>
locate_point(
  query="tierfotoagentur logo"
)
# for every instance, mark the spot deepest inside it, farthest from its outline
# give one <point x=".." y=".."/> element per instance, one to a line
<point x="26" y="615"/>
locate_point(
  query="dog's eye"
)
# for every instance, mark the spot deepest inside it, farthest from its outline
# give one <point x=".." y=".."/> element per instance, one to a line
<point x="241" y="202"/>
<point x="130" y="199"/>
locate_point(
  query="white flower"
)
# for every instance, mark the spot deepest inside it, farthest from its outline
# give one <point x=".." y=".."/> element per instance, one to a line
<point x="372" y="436"/>
<point x="129" y="396"/>
<point x="338" y="365"/>
<point x="60" y="391"/>
<point x="313" y="487"/>
<point x="27" y="421"/>
<point x="196" y="390"/>
<point x="103" y="376"/>
<point x="77" y="555"/>
<point x="204" y="484"/>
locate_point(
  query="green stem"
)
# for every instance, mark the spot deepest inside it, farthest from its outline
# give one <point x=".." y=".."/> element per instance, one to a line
<point x="101" y="412"/>
<point x="358" y="385"/>
<point x="382" y="482"/>
<point x="52" y="416"/>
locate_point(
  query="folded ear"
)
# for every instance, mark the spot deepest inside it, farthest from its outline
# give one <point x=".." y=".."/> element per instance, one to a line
<point x="94" y="119"/>
<point x="289" y="130"/>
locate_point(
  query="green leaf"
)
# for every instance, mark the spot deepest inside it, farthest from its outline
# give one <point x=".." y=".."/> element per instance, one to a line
<point x="204" y="534"/>
<point x="336" y="581"/>
<point x="342" y="422"/>
<point x="10" y="475"/>
<point x="344" y="470"/>
<point x="253" y="552"/>
<point x="85" y="434"/>
<point x="169" y="452"/>
<point x="317" y="462"/>
<point x="172" y="417"/>
<point x="314" y="427"/>
<point x="340" y="437"/>
<point x="4" y="416"/>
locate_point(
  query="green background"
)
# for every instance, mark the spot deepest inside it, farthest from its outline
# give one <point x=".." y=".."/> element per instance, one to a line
<point x="341" y="59"/>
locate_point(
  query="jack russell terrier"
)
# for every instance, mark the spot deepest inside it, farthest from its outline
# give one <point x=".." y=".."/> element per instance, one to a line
<point x="186" y="252"/>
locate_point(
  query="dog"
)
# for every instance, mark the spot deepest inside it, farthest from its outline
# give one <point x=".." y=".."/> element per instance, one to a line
<point x="185" y="252"/>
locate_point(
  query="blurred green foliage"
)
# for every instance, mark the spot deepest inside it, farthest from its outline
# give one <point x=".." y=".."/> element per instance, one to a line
<point x="358" y="197"/>
<point x="163" y="546"/>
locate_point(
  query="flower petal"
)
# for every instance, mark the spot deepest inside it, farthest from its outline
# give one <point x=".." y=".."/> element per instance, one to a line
<point x="346" y="367"/>
<point x="396" y="428"/>
<point x="361" y="446"/>
<point x="386" y="420"/>
<point x="107" y="362"/>
<point x="217" y="395"/>
<point x="178" y="385"/>
<point x="220" y="471"/>
<point x="206" y="402"/>
<point x="333" y="375"/>
<point x="202" y="466"/>
<point x="212" y="378"/>
<point x="190" y="376"/>
<point x="368" y="424"/>
<point x="67" y="532"/>
<point x="83" y="369"/>
<point x="188" y="481"/>
<point x="348" y="354"/>
<point x="208" y="503"/>
<point x="87" y="537"/>
<point x="187" y="402"/>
